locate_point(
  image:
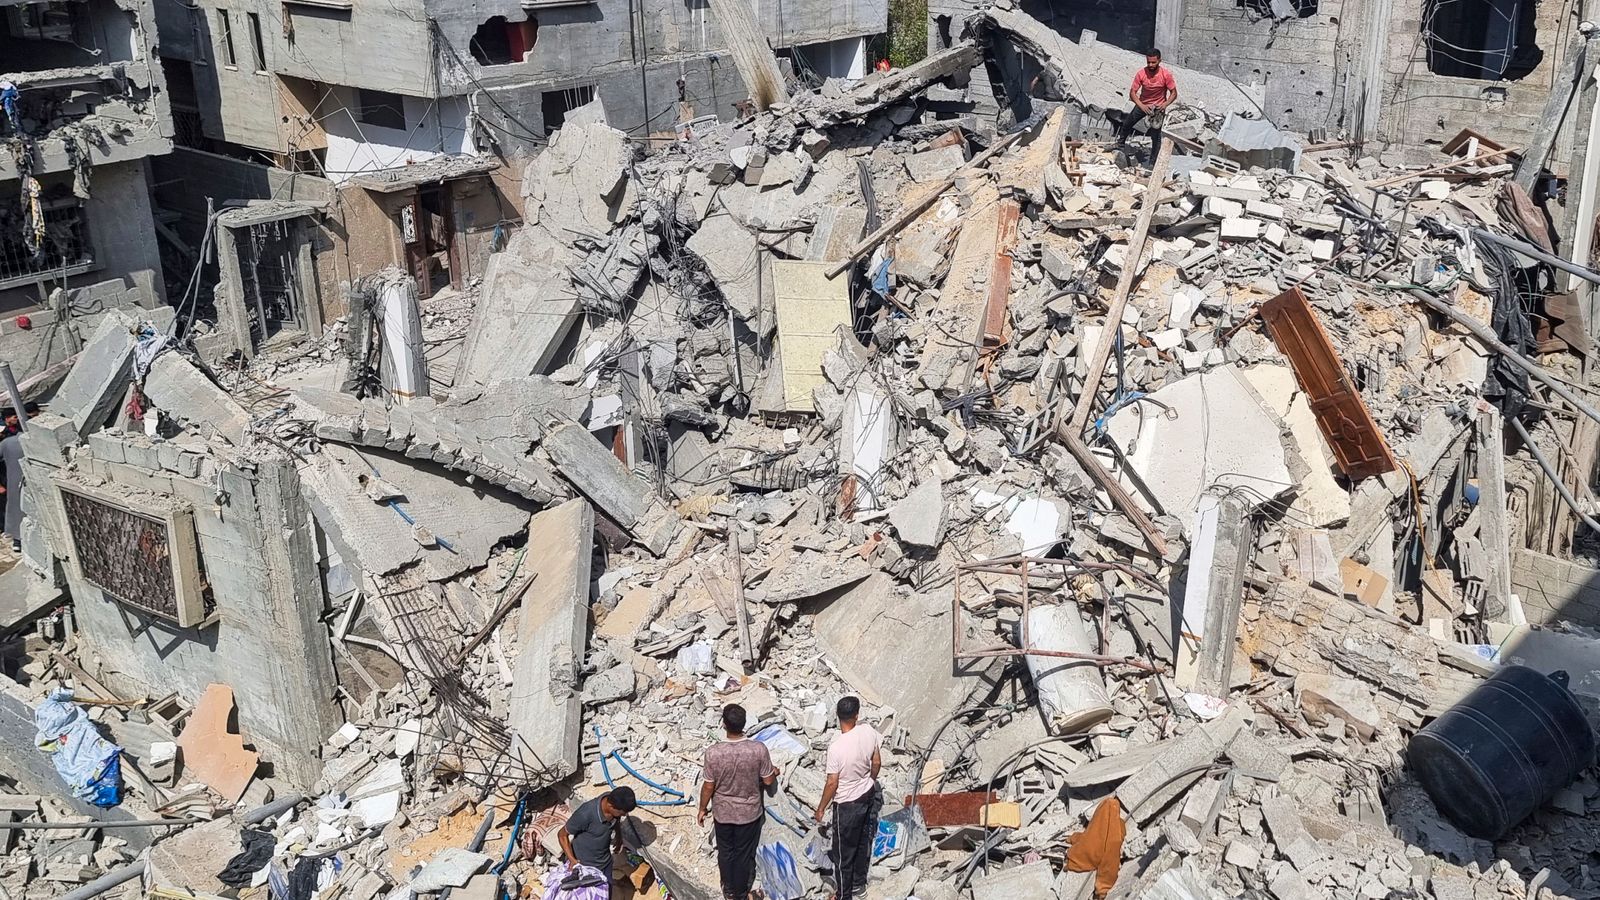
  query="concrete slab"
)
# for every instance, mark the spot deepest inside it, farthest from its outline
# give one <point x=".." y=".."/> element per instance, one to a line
<point x="1320" y="500"/>
<point x="378" y="539"/>
<point x="919" y="518"/>
<point x="1230" y="440"/>
<point x="581" y="181"/>
<point x="1035" y="879"/>
<point x="544" y="708"/>
<point x="24" y="597"/>
<point x="918" y="679"/>
<point x="178" y="389"/>
<point x="526" y="311"/>
<point x="597" y="473"/>
<point x="92" y="389"/>
<point x="730" y="252"/>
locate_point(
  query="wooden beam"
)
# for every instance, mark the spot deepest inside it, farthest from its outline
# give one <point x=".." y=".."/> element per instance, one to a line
<point x="741" y="611"/>
<point x="1119" y="302"/>
<point x="1555" y="112"/>
<point x="1436" y="170"/>
<point x="1124" y="502"/>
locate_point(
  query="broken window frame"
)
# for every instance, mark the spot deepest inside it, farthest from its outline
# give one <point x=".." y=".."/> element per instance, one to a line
<point x="230" y="57"/>
<point x="371" y="106"/>
<point x="1448" y="59"/>
<point x="258" y="48"/>
<point x="59" y="214"/>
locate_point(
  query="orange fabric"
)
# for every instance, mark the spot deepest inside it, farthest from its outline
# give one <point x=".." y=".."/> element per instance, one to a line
<point x="1098" y="847"/>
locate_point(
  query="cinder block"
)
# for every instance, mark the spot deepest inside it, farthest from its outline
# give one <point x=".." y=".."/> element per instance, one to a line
<point x="1219" y="208"/>
<point x="47" y="438"/>
<point x="1240" y="229"/>
<point x="1261" y="209"/>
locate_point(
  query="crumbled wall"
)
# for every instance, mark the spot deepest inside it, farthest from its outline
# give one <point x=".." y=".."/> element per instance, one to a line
<point x="1553" y="589"/>
<point x="1298" y="60"/>
<point x="256" y="544"/>
<point x="123" y="249"/>
<point x="1420" y="107"/>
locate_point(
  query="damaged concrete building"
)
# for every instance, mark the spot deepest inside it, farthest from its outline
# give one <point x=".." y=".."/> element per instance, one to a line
<point x="85" y="107"/>
<point x="1163" y="502"/>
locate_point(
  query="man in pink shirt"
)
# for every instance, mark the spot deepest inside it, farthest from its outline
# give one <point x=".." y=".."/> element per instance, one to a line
<point x="1153" y="91"/>
<point x="854" y="759"/>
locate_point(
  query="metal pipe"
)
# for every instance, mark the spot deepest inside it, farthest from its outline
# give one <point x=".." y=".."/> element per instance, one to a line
<point x="271" y="810"/>
<point x="1538" y="253"/>
<point x="106" y="882"/>
<point x="17" y="406"/>
<point x="123" y="823"/>
<point x="1544" y="463"/>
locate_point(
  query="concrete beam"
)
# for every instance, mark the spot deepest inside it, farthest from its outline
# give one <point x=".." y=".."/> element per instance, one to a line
<point x="176" y="387"/>
<point x="545" y="707"/>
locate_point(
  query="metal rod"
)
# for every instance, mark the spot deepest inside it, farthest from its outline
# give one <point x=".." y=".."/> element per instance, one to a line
<point x="16" y="396"/>
<point x="1538" y="253"/>
<point x="271" y="810"/>
<point x="106" y="882"/>
<point x="1561" y="487"/>
<point x="124" y="823"/>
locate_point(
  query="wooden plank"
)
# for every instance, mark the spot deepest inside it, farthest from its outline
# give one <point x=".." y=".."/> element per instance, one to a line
<point x="1554" y="113"/>
<point x="1119" y="301"/>
<point x="994" y="318"/>
<point x="1341" y="414"/>
<point x="1401" y="179"/>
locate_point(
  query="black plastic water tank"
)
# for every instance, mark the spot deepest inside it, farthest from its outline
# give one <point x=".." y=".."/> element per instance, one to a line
<point x="1503" y="751"/>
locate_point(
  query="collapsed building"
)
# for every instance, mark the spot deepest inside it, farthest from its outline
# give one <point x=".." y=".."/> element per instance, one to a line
<point x="1195" y="484"/>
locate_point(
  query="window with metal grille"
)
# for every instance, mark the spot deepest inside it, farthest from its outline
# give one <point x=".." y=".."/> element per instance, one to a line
<point x="126" y="555"/>
<point x="28" y="252"/>
<point x="144" y="560"/>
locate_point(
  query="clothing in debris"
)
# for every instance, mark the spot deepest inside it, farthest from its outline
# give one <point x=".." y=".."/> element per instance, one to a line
<point x="1098" y="847"/>
<point x="255" y="853"/>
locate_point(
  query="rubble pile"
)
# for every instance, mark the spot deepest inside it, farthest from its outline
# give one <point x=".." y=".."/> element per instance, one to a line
<point x="1157" y="491"/>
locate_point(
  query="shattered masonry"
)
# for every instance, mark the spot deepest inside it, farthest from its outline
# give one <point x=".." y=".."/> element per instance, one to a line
<point x="1151" y="497"/>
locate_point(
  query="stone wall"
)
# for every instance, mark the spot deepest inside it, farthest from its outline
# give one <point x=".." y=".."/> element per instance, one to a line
<point x="257" y="548"/>
<point x="1553" y="589"/>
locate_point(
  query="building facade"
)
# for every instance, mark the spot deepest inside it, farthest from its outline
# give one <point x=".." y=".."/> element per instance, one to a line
<point x="84" y="108"/>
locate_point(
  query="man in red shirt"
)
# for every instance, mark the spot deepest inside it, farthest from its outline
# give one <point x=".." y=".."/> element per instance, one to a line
<point x="1153" y="91"/>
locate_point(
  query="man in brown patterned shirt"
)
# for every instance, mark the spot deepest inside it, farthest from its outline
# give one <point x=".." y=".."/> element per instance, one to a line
<point x="736" y="771"/>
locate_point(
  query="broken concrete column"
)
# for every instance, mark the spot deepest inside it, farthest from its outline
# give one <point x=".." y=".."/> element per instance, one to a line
<point x="403" y="368"/>
<point x="1072" y="692"/>
<point x="1214" y="592"/>
<point x="544" y="711"/>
